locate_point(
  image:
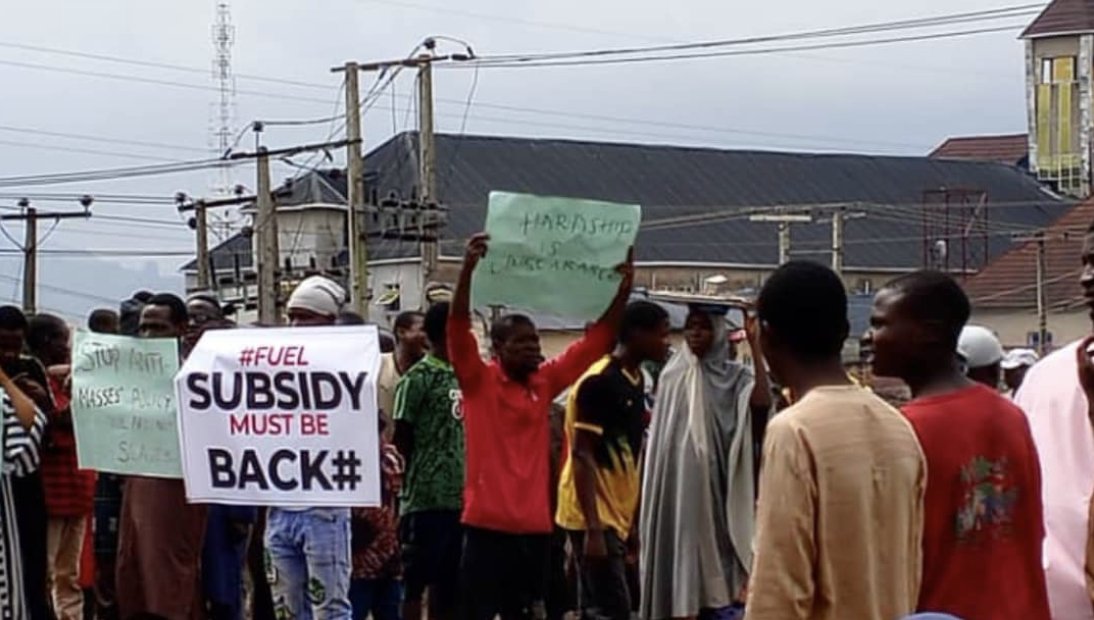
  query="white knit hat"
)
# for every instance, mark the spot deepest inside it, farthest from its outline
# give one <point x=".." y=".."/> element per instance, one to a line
<point x="319" y="295"/>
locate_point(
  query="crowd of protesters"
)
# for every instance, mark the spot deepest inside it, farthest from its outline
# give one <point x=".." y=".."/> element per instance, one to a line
<point x="623" y="478"/>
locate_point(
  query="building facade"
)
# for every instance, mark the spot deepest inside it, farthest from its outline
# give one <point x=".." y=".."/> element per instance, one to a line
<point x="1059" y="52"/>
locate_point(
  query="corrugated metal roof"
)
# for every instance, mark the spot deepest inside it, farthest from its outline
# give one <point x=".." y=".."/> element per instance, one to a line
<point x="1062" y="17"/>
<point x="1010" y="281"/>
<point x="1011" y="149"/>
<point x="720" y="187"/>
<point x="670" y="182"/>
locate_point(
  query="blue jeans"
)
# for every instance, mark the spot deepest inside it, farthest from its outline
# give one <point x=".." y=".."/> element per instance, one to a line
<point x="308" y="563"/>
<point x="379" y="597"/>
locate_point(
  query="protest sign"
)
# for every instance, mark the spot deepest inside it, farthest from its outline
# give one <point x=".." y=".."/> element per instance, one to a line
<point x="123" y="404"/>
<point x="555" y="255"/>
<point x="282" y="417"/>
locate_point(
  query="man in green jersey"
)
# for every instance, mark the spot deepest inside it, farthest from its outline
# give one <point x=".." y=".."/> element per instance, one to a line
<point x="429" y="434"/>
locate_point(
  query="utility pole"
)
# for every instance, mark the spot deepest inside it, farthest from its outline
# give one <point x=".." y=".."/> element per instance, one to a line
<point x="201" y="228"/>
<point x="265" y="221"/>
<point x="1040" y="239"/>
<point x="30" y="262"/>
<point x="30" y="217"/>
<point x="837" y="242"/>
<point x="355" y="184"/>
<point x="427" y="161"/>
<point x="268" y="252"/>
<point x="839" y="218"/>
<point x="1042" y="305"/>
<point x="783" y="220"/>
<point x="784" y="242"/>
<point x="358" y="251"/>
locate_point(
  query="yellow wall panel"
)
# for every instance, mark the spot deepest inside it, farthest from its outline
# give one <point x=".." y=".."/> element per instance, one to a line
<point x="1044" y="126"/>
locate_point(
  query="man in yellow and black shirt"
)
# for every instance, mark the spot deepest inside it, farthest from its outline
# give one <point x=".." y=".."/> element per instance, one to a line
<point x="600" y="482"/>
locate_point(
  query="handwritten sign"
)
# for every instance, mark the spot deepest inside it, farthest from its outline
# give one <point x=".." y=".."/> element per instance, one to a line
<point x="123" y="405"/>
<point x="282" y="417"/>
<point x="555" y="255"/>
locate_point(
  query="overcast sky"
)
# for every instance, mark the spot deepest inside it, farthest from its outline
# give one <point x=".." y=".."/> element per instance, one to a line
<point x="895" y="99"/>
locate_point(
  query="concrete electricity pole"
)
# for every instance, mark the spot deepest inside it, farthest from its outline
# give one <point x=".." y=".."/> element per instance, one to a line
<point x="840" y="215"/>
<point x="1042" y="303"/>
<point x="30" y="262"/>
<point x="205" y="277"/>
<point x="355" y="188"/>
<point x="265" y="221"/>
<point x="1040" y="239"/>
<point x="427" y="161"/>
<point x="783" y="220"/>
<point x="200" y="224"/>
<point x="30" y="216"/>
<point x="837" y="241"/>
<point x="268" y="251"/>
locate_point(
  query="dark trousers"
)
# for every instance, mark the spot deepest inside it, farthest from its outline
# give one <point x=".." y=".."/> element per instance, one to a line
<point x="603" y="593"/>
<point x="32" y="520"/>
<point x="561" y="581"/>
<point x="376" y="598"/>
<point x="262" y="607"/>
<point x="503" y="574"/>
<point x="431" y="545"/>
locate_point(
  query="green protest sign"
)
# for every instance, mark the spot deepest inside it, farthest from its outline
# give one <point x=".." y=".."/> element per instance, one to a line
<point x="555" y="255"/>
<point x="123" y="405"/>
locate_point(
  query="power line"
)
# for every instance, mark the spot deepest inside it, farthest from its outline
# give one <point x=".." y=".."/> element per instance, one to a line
<point x="97" y="196"/>
<point x="103" y="139"/>
<point x="670" y="125"/>
<point x="155" y="81"/>
<point x="887" y="26"/>
<point x="728" y="53"/>
<point x="154" y="65"/>
<point x="378" y="88"/>
<point x="148" y="253"/>
<point x="639" y="133"/>
<point x="503" y="19"/>
<point x="64" y="290"/>
<point x="74" y="149"/>
<point x="113" y="173"/>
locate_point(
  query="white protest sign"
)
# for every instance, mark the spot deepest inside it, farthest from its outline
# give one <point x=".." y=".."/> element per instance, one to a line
<point x="282" y="417"/>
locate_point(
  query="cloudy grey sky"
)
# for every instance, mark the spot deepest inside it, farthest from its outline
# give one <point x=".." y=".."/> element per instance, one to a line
<point x="895" y="99"/>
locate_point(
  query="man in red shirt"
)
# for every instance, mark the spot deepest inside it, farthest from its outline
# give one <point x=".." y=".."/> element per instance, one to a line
<point x="506" y="409"/>
<point x="983" y="525"/>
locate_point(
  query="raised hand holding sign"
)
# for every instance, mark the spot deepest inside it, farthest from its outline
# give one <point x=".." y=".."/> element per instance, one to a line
<point x="554" y="255"/>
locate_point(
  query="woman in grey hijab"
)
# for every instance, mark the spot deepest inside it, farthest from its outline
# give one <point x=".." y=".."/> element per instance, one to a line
<point x="698" y="488"/>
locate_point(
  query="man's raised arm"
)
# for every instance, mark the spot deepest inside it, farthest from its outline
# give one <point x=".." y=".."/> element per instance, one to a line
<point x="463" y="349"/>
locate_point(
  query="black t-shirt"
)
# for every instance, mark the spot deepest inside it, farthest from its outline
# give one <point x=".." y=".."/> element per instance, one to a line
<point x="616" y="404"/>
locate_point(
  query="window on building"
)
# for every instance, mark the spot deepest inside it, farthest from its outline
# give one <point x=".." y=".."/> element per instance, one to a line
<point x="1057" y="112"/>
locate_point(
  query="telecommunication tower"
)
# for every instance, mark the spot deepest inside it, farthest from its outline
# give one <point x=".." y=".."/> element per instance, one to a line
<point x="223" y="36"/>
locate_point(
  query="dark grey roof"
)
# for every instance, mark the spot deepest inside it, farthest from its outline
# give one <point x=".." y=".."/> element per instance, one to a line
<point x="678" y="181"/>
<point x="670" y="182"/>
<point x="226" y="253"/>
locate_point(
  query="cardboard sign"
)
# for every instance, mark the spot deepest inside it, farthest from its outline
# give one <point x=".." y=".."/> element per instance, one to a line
<point x="282" y="417"/>
<point x="123" y="404"/>
<point x="554" y="255"/>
